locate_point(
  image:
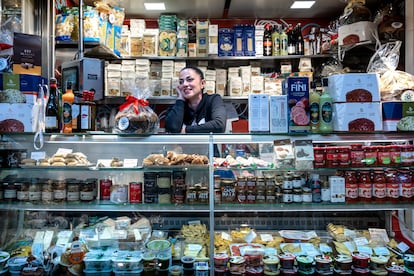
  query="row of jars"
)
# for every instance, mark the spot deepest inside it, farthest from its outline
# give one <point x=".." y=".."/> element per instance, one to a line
<point x="36" y="190"/>
<point x="357" y="155"/>
<point x="379" y="185"/>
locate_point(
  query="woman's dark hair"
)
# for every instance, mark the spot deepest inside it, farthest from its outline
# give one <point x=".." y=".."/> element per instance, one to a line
<point x="195" y="69"/>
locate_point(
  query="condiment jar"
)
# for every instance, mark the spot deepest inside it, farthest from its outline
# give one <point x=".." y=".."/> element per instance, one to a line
<point x="22" y="193"/>
<point x="228" y="190"/>
<point x="47" y="190"/>
<point x="87" y="191"/>
<point x="357" y="155"/>
<point x="10" y="191"/>
<point x="59" y="191"/>
<point x="351" y="187"/>
<point x="379" y="187"/>
<point x="73" y="190"/>
<point x="237" y="265"/>
<point x="35" y="191"/>
<point x="202" y="195"/>
<point x="365" y="186"/>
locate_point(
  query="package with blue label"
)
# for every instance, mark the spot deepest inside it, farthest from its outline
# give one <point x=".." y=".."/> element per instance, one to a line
<point x="297" y="91"/>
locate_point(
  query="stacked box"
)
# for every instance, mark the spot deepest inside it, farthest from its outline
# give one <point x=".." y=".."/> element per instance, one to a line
<point x="246" y="75"/>
<point x="258" y="40"/>
<point x="113" y="80"/>
<point x="297" y="91"/>
<point x="182" y="38"/>
<point x="226" y="42"/>
<point x="142" y="67"/>
<point x="213" y="39"/>
<point x="221" y="81"/>
<point x="258" y="113"/>
<point x="202" y="38"/>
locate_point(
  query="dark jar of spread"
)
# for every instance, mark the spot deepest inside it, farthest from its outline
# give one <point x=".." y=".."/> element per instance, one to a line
<point x="241" y="182"/>
<point x="202" y="195"/>
<point x="47" y="190"/>
<point x="87" y="191"/>
<point x="59" y="191"/>
<point x="379" y="187"/>
<point x="270" y="196"/>
<point x="260" y="183"/>
<point x="228" y="190"/>
<point x="73" y="190"/>
<point x="35" y="190"/>
<point x="251" y="182"/>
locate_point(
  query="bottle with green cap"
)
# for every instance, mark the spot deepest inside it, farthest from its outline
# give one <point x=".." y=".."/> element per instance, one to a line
<point x="314" y="98"/>
<point x="325" y="109"/>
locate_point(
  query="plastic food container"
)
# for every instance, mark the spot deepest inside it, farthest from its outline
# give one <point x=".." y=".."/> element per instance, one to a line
<point x="395" y="270"/>
<point x="221" y="260"/>
<point x="136" y="272"/>
<point x="323" y="263"/>
<point x="237" y="265"/>
<point x="126" y="260"/>
<point x="287" y="260"/>
<point x="343" y="263"/>
<point x="271" y="264"/>
<point x="360" y="260"/>
<point x="4" y="257"/>
<point x="188" y="262"/>
<point x="16" y="263"/>
<point x="93" y="272"/>
<point x="304" y="263"/>
<point x="176" y="270"/>
<point x="97" y="261"/>
<point x="378" y="262"/>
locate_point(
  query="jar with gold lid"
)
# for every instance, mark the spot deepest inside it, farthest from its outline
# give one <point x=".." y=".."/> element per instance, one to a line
<point x="73" y="190"/>
<point x="59" y="191"/>
<point x="35" y="190"/>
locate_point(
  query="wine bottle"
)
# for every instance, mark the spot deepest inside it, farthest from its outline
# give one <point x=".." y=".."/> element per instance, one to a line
<point x="314" y="98"/>
<point x="325" y="109"/>
<point x="52" y="109"/>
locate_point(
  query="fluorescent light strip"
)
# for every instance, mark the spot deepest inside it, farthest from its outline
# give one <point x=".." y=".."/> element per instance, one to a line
<point x="302" y="4"/>
<point x="154" y="6"/>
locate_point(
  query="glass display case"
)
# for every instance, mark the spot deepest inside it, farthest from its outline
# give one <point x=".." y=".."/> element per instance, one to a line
<point x="200" y="192"/>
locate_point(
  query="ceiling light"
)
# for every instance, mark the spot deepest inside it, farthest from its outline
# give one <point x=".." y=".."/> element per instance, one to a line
<point x="154" y="6"/>
<point x="302" y="4"/>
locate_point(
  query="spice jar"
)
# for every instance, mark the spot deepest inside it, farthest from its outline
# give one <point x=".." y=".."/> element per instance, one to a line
<point x="59" y="191"/>
<point x="228" y="190"/>
<point x="35" y="191"/>
<point x="47" y="191"/>
<point x="73" y="191"/>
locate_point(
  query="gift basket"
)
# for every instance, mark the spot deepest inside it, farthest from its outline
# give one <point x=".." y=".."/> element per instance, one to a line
<point x="135" y="115"/>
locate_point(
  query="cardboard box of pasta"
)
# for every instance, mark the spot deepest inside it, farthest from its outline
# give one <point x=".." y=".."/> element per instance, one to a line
<point x="357" y="117"/>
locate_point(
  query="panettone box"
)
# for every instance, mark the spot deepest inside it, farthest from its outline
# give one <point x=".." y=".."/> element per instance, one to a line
<point x="357" y="117"/>
<point x="354" y="87"/>
<point x="357" y="32"/>
<point x="391" y="115"/>
<point x="15" y="117"/>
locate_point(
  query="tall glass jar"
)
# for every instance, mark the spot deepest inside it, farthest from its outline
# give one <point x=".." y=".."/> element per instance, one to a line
<point x="351" y="187"/>
<point x="379" y="187"/>
<point x="59" y="191"/>
<point x="365" y="186"/>
<point x="35" y="190"/>
<point x="47" y="190"/>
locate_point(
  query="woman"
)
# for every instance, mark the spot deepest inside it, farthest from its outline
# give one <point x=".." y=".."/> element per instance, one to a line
<point x="195" y="111"/>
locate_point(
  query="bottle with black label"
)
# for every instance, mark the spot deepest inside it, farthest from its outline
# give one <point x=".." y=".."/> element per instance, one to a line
<point x="267" y="40"/>
<point x="300" y="43"/>
<point x="52" y="121"/>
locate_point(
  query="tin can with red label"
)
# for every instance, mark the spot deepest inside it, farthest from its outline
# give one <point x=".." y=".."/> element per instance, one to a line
<point x="135" y="192"/>
<point x="105" y="188"/>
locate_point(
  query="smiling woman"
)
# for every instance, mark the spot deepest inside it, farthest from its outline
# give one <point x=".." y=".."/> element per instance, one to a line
<point x="195" y="111"/>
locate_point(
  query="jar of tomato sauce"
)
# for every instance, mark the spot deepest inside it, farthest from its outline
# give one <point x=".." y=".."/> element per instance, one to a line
<point x="384" y="155"/>
<point x="392" y="190"/>
<point x="331" y="157"/>
<point x="351" y="187"/>
<point x="357" y="155"/>
<point x="395" y="155"/>
<point x="365" y="186"/>
<point x="405" y="185"/>
<point x="370" y="155"/>
<point x="379" y="187"/>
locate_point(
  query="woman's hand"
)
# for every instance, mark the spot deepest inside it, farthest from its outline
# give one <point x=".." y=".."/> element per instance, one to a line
<point x="179" y="93"/>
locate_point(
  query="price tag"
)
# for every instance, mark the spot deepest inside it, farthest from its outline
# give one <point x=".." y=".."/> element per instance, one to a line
<point x="37" y="155"/>
<point x="403" y="247"/>
<point x="226" y="236"/>
<point x="266" y="237"/>
<point x="104" y="162"/>
<point x="378" y="234"/>
<point x="365" y="249"/>
<point x="137" y="235"/>
<point x="361" y="241"/>
<point x="63" y="151"/>
<point x="194" y="222"/>
<point x="130" y="163"/>
<point x="250" y="236"/>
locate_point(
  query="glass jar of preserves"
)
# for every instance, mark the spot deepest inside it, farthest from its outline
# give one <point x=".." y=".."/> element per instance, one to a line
<point x="251" y="196"/>
<point x="261" y="197"/>
<point x="270" y="182"/>
<point x="217" y="180"/>
<point x="287" y="182"/>
<point x="22" y="186"/>
<point x="270" y="196"/>
<point x="228" y="190"/>
<point x="73" y="190"/>
<point x="241" y="182"/>
<point x="191" y="195"/>
<point x="379" y="187"/>
<point x="406" y="154"/>
<point x="357" y="155"/>
<point x="47" y="190"/>
<point x="35" y="190"/>
<point x="251" y="182"/>
<point x="86" y="192"/>
<point x="365" y="186"/>
<point x="306" y="195"/>
<point x="287" y="196"/>
<point x="297" y="195"/>
<point x="260" y="184"/>
<point x="59" y="191"/>
<point x="395" y="155"/>
<point x="296" y="181"/>
<point x="203" y="195"/>
<point x="241" y="195"/>
<point x="370" y="155"/>
<point x="10" y="191"/>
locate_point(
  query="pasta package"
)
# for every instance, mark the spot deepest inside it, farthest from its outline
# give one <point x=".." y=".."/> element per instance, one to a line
<point x="167" y="44"/>
<point x="150" y="43"/>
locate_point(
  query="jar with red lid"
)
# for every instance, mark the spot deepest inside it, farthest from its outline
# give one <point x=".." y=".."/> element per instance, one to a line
<point x="405" y="184"/>
<point x="331" y="157"/>
<point x="365" y="186"/>
<point x="343" y="156"/>
<point x="384" y="156"/>
<point x="319" y="157"/>
<point x="351" y="187"/>
<point x="393" y="188"/>
<point x="379" y="187"/>
<point x="395" y="155"/>
<point x="357" y="155"/>
<point x="370" y="156"/>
